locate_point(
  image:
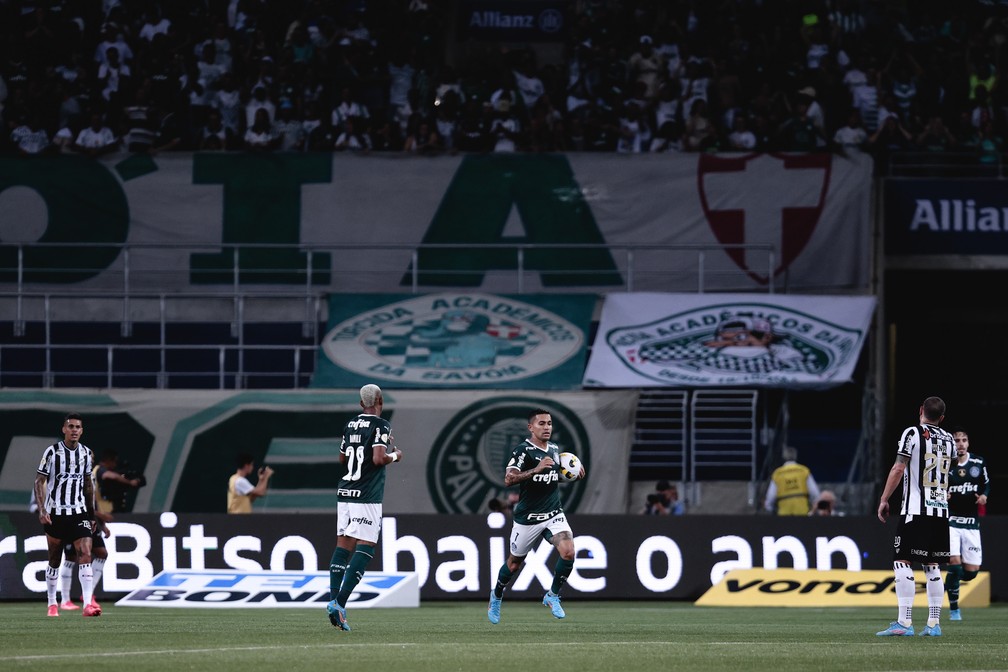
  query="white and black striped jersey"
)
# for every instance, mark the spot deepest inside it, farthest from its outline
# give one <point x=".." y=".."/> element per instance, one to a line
<point x="930" y="450"/>
<point x="65" y="470"/>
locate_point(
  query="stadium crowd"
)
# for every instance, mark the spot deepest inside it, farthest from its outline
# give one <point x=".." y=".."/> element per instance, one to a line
<point x="96" y="76"/>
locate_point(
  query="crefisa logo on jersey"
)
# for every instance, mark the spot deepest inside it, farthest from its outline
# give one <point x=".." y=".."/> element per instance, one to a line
<point x="466" y="468"/>
<point x="452" y="339"/>
<point x="736" y="344"/>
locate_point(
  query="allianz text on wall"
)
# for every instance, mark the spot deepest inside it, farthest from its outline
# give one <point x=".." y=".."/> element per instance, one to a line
<point x="456" y="556"/>
<point x="945" y="217"/>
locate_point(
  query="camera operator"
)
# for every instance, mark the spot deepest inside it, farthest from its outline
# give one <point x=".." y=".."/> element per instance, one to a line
<point x="826" y="505"/>
<point x="112" y="484"/>
<point x="241" y="493"/>
<point x="664" y="501"/>
<point x="505" y="506"/>
<point x="110" y="487"/>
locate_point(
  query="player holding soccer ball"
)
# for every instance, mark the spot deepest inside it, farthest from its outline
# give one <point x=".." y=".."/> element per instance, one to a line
<point x="534" y="467"/>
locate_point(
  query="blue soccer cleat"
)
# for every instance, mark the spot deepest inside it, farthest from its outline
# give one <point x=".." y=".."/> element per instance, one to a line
<point x="931" y="631"/>
<point x="955" y="615"/>
<point x="897" y="630"/>
<point x="553" y="602"/>
<point x="337" y="616"/>
<point x="493" y="610"/>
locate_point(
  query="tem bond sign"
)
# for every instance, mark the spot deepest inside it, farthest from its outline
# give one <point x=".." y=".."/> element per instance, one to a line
<point x="227" y="589"/>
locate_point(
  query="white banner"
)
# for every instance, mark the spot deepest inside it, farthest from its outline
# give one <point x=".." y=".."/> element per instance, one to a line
<point x="697" y="340"/>
<point x="656" y="222"/>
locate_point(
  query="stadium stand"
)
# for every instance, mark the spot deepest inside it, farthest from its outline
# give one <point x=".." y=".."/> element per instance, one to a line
<point x="627" y="77"/>
<point x="916" y="85"/>
<point x="182" y="355"/>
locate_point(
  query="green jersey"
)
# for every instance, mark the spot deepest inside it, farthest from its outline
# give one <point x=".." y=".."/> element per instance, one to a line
<point x="538" y="497"/>
<point x="966" y="481"/>
<point x="364" y="481"/>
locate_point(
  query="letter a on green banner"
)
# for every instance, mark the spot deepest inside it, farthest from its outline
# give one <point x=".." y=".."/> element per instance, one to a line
<point x="475" y="210"/>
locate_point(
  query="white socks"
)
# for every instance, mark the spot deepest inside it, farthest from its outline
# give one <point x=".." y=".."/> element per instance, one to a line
<point x="97" y="565"/>
<point x="51" y="579"/>
<point x="66" y="579"/>
<point x="935" y="593"/>
<point x="86" y="582"/>
<point x="66" y="572"/>
<point x="904" y="591"/>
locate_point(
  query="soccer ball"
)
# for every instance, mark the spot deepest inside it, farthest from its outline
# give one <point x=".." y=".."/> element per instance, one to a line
<point x="570" y="466"/>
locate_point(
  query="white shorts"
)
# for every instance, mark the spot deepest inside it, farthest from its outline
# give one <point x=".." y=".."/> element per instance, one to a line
<point x="966" y="544"/>
<point x="524" y="537"/>
<point x="360" y="521"/>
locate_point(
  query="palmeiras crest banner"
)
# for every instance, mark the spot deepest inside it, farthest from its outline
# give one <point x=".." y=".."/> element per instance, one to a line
<point x="700" y="340"/>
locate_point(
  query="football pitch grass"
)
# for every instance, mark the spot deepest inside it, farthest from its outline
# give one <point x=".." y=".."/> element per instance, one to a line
<point x="457" y="636"/>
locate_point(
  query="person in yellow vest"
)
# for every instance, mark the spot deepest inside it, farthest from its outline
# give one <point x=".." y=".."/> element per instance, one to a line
<point x="792" y="488"/>
<point x="241" y="493"/>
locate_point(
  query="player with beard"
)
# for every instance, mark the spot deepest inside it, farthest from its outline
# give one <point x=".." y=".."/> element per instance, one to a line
<point x="923" y="457"/>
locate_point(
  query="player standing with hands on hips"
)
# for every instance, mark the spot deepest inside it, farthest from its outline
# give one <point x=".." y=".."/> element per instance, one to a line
<point x="538" y="513"/>
<point x="365" y="452"/>
<point x="64" y="493"/>
<point x="922" y="465"/>
<point x="969" y="486"/>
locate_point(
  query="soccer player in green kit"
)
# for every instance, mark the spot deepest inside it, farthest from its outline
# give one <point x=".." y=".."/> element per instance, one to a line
<point x="969" y="486"/>
<point x="365" y="452"/>
<point x="538" y="513"/>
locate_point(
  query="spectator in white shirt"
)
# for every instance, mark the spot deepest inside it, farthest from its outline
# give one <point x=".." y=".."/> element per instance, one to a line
<point x="260" y="100"/>
<point x="113" y="75"/>
<point x="347" y="108"/>
<point x="154" y="23"/>
<point x="29" y="137"/>
<point x="853" y="135"/>
<point x="741" y="138"/>
<point x="96" y="139"/>
<point x="113" y="37"/>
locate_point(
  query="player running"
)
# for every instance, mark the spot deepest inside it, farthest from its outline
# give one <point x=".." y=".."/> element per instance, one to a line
<point x="537" y="514"/>
<point x="969" y="486"/>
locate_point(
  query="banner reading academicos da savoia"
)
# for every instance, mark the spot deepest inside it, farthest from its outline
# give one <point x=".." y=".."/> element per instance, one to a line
<point x="697" y="340"/>
<point x="456" y="340"/>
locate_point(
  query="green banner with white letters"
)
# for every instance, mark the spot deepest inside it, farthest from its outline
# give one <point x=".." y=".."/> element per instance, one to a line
<point x="517" y="223"/>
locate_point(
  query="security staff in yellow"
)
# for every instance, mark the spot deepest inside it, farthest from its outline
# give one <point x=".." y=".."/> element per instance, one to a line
<point x="792" y="489"/>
